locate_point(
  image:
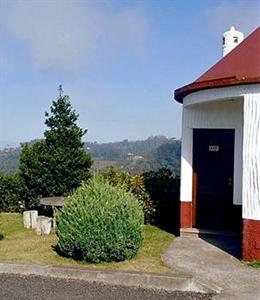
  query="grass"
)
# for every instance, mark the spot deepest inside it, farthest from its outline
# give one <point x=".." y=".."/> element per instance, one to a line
<point x="24" y="246"/>
<point x="254" y="264"/>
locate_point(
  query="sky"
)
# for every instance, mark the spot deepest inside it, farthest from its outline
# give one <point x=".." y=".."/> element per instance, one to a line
<point x="119" y="61"/>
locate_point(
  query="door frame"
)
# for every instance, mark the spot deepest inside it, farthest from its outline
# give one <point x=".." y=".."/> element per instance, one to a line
<point x="195" y="178"/>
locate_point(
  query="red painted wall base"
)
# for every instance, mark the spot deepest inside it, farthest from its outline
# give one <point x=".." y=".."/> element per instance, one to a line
<point x="186" y="214"/>
<point x="251" y="240"/>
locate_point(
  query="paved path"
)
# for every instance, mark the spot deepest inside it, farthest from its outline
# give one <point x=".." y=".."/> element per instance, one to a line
<point x="212" y="265"/>
<point x="28" y="287"/>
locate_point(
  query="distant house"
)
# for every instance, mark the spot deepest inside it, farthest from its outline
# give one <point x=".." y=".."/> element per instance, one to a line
<point x="133" y="157"/>
<point x="220" y="165"/>
<point x="137" y="157"/>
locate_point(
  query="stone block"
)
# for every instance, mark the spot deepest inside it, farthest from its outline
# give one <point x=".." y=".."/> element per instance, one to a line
<point x="34" y="215"/>
<point x="27" y="219"/>
<point x="30" y="218"/>
<point x="43" y="225"/>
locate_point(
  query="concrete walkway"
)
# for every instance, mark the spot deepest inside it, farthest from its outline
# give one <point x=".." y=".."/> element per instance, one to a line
<point x="212" y="265"/>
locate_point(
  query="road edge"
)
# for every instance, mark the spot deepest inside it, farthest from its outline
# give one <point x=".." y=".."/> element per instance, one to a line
<point x="178" y="282"/>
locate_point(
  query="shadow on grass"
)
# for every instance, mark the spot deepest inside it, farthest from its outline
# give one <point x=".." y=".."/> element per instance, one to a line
<point x="56" y="249"/>
<point x="1" y="237"/>
<point x="78" y="256"/>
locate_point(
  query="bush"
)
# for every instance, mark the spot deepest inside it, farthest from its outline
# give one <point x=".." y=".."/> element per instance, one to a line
<point x="100" y="222"/>
<point x="163" y="188"/>
<point x="11" y="193"/>
<point x="15" y="196"/>
<point x="135" y="185"/>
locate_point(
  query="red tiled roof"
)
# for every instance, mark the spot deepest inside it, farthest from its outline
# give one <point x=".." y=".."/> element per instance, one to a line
<point x="240" y="66"/>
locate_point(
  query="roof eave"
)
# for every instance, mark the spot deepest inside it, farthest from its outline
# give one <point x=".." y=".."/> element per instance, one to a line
<point x="180" y="93"/>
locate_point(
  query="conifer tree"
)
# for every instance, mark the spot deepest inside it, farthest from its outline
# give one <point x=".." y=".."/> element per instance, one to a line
<point x="59" y="163"/>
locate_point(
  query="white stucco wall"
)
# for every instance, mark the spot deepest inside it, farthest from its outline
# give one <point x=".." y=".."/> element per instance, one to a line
<point x="227" y="108"/>
<point x="251" y="157"/>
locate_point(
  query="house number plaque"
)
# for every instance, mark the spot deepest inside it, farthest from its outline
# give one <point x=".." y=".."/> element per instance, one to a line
<point x="213" y="148"/>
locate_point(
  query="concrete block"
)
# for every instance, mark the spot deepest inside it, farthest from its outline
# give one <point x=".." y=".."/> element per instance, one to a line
<point x="34" y="215"/>
<point x="27" y="219"/>
<point x="43" y="225"/>
<point x="30" y="218"/>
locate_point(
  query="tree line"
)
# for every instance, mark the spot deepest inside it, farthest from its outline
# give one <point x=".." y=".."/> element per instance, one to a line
<point x="136" y="157"/>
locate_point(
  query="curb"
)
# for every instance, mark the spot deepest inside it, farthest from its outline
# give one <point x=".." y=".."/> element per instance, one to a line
<point x="177" y="282"/>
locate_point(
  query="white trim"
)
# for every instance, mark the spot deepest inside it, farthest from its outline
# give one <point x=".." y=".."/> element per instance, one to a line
<point x="220" y="94"/>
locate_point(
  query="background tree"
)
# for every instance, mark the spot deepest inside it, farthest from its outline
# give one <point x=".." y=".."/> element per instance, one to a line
<point x="163" y="188"/>
<point x="59" y="163"/>
<point x="11" y="193"/>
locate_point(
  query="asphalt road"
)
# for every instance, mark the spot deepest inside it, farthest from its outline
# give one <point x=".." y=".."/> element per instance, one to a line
<point x="17" y="287"/>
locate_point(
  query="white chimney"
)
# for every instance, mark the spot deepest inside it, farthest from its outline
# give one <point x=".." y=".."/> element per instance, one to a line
<point x="231" y="39"/>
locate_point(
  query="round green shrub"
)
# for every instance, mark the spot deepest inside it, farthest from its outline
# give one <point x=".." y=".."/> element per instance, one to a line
<point x="100" y="222"/>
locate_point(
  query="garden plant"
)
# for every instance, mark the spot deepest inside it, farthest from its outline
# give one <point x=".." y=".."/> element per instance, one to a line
<point x="100" y="222"/>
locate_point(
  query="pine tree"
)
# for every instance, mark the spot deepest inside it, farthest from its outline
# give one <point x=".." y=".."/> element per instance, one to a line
<point x="59" y="163"/>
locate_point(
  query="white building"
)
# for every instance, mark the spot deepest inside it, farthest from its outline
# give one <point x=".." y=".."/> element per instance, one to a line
<point x="220" y="166"/>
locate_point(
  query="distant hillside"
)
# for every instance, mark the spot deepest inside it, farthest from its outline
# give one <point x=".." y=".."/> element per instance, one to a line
<point x="139" y="156"/>
<point x="9" y="159"/>
<point x="135" y="156"/>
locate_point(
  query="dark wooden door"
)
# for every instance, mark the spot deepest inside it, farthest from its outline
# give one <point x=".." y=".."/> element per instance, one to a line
<point x="213" y="165"/>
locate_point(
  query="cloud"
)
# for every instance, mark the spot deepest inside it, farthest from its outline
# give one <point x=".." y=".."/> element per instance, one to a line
<point x="66" y="35"/>
<point x="244" y="15"/>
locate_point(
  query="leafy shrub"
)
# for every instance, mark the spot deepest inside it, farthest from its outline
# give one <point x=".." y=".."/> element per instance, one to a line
<point x="11" y="193"/>
<point x="163" y="188"/>
<point x="135" y="185"/>
<point x="14" y="195"/>
<point x="100" y="222"/>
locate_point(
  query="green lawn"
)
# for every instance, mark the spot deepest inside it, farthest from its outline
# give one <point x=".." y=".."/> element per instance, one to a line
<point x="23" y="245"/>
